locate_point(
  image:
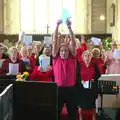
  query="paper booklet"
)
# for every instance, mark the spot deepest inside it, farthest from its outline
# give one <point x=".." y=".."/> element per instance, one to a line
<point x="116" y="54"/>
<point x="44" y="62"/>
<point x="13" y="68"/>
<point x="96" y="41"/>
<point x="47" y="41"/>
<point x="27" y="40"/>
<point x="21" y="36"/>
<point x="86" y="84"/>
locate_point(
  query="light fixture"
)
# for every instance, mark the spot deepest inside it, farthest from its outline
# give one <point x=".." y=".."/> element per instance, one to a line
<point x="102" y="17"/>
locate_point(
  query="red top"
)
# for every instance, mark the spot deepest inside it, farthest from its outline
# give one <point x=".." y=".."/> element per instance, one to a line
<point x="31" y="63"/>
<point x="65" y="71"/>
<point x="80" y="51"/>
<point x="41" y="76"/>
<point x="33" y="59"/>
<point x="100" y="63"/>
<point x="87" y="73"/>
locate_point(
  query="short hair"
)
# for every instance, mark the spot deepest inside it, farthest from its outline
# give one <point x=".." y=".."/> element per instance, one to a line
<point x="23" y="48"/>
<point x="86" y="52"/>
<point x="11" y="49"/>
<point x="94" y="49"/>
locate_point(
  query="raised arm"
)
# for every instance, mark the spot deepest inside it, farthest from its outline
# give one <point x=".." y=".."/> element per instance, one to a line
<point x="72" y="38"/>
<point x="55" y="44"/>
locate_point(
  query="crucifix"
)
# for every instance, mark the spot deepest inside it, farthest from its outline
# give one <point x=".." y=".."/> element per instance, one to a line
<point x="47" y="27"/>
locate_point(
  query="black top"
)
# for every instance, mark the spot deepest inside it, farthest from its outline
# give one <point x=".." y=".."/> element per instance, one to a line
<point x="86" y="97"/>
<point x="4" y="56"/>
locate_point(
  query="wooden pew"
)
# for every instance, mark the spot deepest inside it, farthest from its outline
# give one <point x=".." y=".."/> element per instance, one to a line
<point x="6" y="80"/>
<point x="35" y="100"/>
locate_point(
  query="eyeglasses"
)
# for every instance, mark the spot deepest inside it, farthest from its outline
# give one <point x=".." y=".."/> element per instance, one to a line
<point x="114" y="44"/>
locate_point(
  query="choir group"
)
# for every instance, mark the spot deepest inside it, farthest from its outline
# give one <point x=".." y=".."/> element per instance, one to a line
<point x="72" y="64"/>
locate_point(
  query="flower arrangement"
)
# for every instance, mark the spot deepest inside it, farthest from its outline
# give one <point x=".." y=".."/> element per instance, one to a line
<point x="22" y="77"/>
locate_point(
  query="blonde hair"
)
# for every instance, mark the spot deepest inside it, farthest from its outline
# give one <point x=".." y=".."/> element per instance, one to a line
<point x="12" y="49"/>
<point x="23" y="48"/>
<point x="86" y="52"/>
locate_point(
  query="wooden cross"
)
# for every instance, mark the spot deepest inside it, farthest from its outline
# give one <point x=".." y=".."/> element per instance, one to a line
<point x="47" y="27"/>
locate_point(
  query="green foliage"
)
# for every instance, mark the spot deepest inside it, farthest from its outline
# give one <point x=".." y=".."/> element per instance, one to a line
<point x="107" y="43"/>
<point x="25" y="76"/>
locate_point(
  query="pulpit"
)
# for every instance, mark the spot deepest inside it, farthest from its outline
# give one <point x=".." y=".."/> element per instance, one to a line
<point x="111" y="101"/>
<point x="35" y="100"/>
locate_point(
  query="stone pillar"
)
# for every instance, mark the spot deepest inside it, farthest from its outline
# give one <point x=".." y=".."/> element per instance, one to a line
<point x="117" y="16"/>
<point x="109" y="16"/>
<point x="1" y="16"/>
<point x="98" y="8"/>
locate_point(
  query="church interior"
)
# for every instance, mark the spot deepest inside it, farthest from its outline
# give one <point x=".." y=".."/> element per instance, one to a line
<point x="59" y="60"/>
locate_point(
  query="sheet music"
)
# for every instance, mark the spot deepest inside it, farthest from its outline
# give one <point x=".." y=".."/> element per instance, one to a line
<point x="13" y="68"/>
<point x="47" y="41"/>
<point x="21" y="36"/>
<point x="86" y="84"/>
<point x="44" y="62"/>
<point x="96" y="41"/>
<point x="1" y="62"/>
<point x="27" y="40"/>
<point x="116" y="54"/>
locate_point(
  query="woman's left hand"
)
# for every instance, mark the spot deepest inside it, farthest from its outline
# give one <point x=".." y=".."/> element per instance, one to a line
<point x="49" y="68"/>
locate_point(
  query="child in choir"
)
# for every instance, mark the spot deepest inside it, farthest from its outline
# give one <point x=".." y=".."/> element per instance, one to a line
<point x="39" y="74"/>
<point x="98" y="60"/>
<point x="13" y="65"/>
<point x="28" y="61"/>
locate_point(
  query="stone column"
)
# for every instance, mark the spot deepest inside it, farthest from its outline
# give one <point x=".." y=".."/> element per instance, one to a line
<point x="1" y="16"/>
<point x="98" y="8"/>
<point x="116" y="31"/>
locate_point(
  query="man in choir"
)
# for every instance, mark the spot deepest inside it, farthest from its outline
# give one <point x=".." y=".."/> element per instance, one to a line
<point x="64" y="67"/>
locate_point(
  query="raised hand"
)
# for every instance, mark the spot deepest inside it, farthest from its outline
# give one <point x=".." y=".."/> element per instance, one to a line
<point x="59" y="22"/>
<point x="82" y="39"/>
<point x="49" y="68"/>
<point x="68" y="22"/>
<point x="40" y="69"/>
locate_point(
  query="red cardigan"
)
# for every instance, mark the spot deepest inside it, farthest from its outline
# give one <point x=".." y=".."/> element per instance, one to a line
<point x="5" y="66"/>
<point x="87" y="73"/>
<point x="41" y="76"/>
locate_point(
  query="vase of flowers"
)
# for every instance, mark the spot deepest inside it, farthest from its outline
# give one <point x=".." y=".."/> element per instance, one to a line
<point x="22" y="77"/>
